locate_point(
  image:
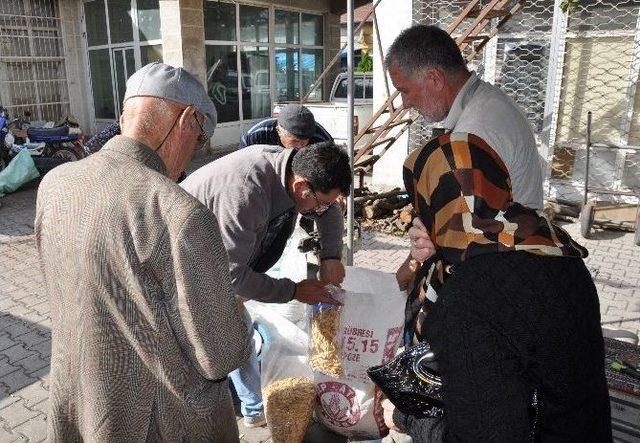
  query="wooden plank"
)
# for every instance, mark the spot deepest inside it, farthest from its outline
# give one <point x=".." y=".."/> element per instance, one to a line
<point x="367" y="146"/>
<point x="397" y="136"/>
<point x="382" y="142"/>
<point x="517" y="7"/>
<point x="474" y="38"/>
<point x="478" y="24"/>
<point x="366" y="160"/>
<point x="496" y="13"/>
<point x="463" y="15"/>
<point x="383" y="109"/>
<point x="392" y="125"/>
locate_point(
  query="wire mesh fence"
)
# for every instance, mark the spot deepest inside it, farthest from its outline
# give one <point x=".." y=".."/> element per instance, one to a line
<point x="559" y="65"/>
<point x="33" y="79"/>
<point x="599" y="74"/>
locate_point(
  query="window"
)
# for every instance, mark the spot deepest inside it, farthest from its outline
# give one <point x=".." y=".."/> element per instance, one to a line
<point x="287" y="73"/>
<point x="287" y="27"/>
<point x="101" y="83"/>
<point x="241" y="49"/>
<point x="254" y="24"/>
<point x="32" y="68"/>
<point x="363" y="87"/>
<point x="300" y="56"/>
<point x="312" y="62"/>
<point x="237" y="68"/>
<point x="96" y="23"/>
<point x="120" y="25"/>
<point x="222" y="81"/>
<point x="256" y="87"/>
<point x="118" y="47"/>
<point x="219" y="21"/>
<point x="148" y="20"/>
<point x="311" y="30"/>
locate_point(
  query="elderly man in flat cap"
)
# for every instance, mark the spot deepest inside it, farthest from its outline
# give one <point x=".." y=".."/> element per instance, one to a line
<point x="145" y="324"/>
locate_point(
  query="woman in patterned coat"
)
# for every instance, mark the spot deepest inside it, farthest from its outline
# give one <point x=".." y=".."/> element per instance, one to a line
<point x="507" y="304"/>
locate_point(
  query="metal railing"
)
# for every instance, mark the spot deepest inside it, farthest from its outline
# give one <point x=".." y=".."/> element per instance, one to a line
<point x="33" y="77"/>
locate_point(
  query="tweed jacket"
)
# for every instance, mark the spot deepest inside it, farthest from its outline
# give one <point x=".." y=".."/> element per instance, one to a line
<point x="145" y="326"/>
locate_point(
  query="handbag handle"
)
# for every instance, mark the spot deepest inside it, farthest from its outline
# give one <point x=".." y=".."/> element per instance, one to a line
<point x="425" y="374"/>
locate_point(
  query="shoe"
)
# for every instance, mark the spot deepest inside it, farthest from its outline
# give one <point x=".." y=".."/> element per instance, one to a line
<point x="254" y="422"/>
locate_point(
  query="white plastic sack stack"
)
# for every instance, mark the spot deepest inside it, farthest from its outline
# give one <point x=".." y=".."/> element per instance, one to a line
<point x="371" y="325"/>
<point x="292" y="265"/>
<point x="286" y="355"/>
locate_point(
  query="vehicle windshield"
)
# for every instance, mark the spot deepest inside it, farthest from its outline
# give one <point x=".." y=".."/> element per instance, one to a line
<point x="363" y="88"/>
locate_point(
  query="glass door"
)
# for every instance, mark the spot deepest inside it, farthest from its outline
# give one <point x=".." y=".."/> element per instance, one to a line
<point x="124" y="66"/>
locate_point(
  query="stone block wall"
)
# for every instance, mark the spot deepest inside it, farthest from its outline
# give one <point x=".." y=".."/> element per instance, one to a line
<point x="76" y="61"/>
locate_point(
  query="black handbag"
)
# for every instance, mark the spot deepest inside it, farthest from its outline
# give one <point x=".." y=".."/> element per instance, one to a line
<point x="412" y="382"/>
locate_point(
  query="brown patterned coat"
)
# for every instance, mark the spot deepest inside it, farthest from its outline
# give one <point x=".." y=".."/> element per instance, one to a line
<point x="143" y="315"/>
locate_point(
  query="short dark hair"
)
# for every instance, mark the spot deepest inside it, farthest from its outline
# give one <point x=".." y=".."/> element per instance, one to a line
<point x="325" y="166"/>
<point x="421" y="46"/>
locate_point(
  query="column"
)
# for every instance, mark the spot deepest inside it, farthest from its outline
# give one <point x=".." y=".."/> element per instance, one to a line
<point x="182" y="27"/>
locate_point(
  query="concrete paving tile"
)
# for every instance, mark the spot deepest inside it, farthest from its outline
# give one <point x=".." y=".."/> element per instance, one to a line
<point x="15" y="381"/>
<point x="16" y="414"/>
<point x="35" y="428"/>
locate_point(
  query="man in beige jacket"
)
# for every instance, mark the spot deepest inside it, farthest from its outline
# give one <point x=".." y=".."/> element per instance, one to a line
<point x="145" y="325"/>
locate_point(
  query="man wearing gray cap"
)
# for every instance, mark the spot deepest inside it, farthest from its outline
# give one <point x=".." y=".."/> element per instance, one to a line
<point x="145" y="324"/>
<point x="294" y="128"/>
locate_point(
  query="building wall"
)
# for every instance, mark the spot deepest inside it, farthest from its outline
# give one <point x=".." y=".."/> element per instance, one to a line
<point x="76" y="62"/>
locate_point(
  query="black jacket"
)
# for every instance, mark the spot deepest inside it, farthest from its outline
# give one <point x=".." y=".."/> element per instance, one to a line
<point x="504" y="325"/>
<point x="264" y="133"/>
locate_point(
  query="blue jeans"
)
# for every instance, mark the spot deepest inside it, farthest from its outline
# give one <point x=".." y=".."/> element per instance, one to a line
<point x="246" y="382"/>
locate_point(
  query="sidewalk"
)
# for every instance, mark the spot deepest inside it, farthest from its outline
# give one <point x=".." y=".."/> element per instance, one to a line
<point x="25" y="334"/>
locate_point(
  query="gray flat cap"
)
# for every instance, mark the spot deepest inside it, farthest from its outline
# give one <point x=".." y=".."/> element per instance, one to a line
<point x="297" y="120"/>
<point x="176" y="84"/>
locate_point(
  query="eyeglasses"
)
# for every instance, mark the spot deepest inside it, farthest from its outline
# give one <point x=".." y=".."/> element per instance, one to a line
<point x="321" y="206"/>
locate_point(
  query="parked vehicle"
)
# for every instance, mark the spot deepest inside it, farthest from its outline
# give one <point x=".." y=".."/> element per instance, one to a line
<point x="332" y="115"/>
<point x="49" y="146"/>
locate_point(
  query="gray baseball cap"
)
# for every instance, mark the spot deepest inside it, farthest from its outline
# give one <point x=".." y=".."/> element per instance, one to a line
<point x="297" y="120"/>
<point x="164" y="81"/>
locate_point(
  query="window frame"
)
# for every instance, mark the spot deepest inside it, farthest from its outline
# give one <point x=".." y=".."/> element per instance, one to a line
<point x="135" y="44"/>
<point x="271" y="45"/>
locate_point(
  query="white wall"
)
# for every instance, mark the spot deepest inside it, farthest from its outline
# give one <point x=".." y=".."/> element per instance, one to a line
<point x="393" y="17"/>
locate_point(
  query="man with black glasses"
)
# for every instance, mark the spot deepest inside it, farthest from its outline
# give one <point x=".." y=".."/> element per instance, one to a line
<point x="256" y="194"/>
